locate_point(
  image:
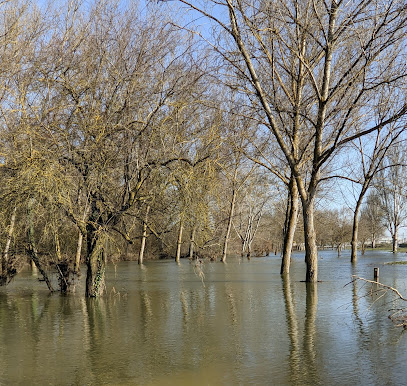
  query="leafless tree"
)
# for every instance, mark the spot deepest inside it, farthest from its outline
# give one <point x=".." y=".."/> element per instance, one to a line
<point x="313" y="70"/>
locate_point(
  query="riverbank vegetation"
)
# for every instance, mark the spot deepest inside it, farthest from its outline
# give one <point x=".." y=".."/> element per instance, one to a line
<point x="129" y="131"/>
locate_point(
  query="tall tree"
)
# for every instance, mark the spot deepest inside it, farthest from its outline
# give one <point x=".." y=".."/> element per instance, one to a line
<point x="313" y="71"/>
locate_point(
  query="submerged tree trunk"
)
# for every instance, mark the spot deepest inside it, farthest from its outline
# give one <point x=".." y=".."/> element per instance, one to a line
<point x="95" y="261"/>
<point x="32" y="249"/>
<point x="143" y="237"/>
<point x="311" y="250"/>
<point x="395" y="240"/>
<point x="179" y="241"/>
<point x="355" y="227"/>
<point x="229" y="227"/>
<point x="289" y="226"/>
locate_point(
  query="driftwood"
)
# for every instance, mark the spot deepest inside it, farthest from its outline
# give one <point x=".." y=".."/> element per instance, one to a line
<point x="399" y="316"/>
<point x="381" y="285"/>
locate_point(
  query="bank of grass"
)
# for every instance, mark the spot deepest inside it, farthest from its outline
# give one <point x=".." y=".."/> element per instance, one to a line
<point x="388" y="247"/>
<point x="396" y="263"/>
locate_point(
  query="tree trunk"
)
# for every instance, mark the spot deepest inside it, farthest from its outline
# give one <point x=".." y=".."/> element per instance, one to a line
<point x="192" y="243"/>
<point x="179" y="241"/>
<point x="355" y="227"/>
<point x="143" y="237"/>
<point x="95" y="261"/>
<point x="229" y="227"/>
<point x="373" y="241"/>
<point x="4" y="260"/>
<point x="32" y="249"/>
<point x="77" y="264"/>
<point x="395" y="240"/>
<point x="289" y="226"/>
<point x="57" y="244"/>
<point x="311" y="250"/>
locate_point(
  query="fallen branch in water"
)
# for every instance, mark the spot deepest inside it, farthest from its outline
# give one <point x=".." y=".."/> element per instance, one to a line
<point x="399" y="315"/>
<point x="381" y="285"/>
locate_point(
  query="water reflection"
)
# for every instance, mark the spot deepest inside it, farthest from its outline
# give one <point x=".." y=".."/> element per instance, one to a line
<point x="160" y="325"/>
<point x="302" y="358"/>
<point x="310" y="357"/>
<point x="292" y="327"/>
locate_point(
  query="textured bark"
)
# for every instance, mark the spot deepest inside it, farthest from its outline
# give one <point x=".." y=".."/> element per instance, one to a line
<point x="96" y="262"/>
<point x="311" y="251"/>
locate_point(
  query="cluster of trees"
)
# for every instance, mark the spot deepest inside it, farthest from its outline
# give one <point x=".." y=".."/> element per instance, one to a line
<point x="128" y="128"/>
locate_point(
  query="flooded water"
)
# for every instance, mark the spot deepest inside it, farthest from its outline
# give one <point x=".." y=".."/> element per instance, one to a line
<point x="161" y="325"/>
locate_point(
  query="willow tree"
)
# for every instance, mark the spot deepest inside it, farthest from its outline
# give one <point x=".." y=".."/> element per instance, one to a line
<point x="313" y="71"/>
<point x="104" y="83"/>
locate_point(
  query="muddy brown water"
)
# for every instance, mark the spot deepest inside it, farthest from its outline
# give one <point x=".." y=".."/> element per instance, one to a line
<point x="243" y="325"/>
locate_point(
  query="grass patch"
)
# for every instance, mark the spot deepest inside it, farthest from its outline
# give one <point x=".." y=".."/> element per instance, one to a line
<point x="387" y="248"/>
<point x="395" y="263"/>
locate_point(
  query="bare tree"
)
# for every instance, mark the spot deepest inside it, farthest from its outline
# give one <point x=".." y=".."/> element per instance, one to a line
<point x="370" y="151"/>
<point x="313" y="71"/>
<point x="391" y="186"/>
<point x="372" y="218"/>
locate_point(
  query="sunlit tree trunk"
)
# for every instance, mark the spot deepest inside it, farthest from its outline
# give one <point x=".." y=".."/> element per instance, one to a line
<point x="143" y="237"/>
<point x="311" y="250"/>
<point x="192" y="243"/>
<point x="179" y="241"/>
<point x="78" y="253"/>
<point x="229" y="226"/>
<point x="4" y="260"/>
<point x="289" y="227"/>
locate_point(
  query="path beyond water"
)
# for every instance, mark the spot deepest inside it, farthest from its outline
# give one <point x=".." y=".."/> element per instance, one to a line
<point x="160" y="325"/>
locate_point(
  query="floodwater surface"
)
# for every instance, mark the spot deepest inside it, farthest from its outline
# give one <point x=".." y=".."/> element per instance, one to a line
<point x="160" y="324"/>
